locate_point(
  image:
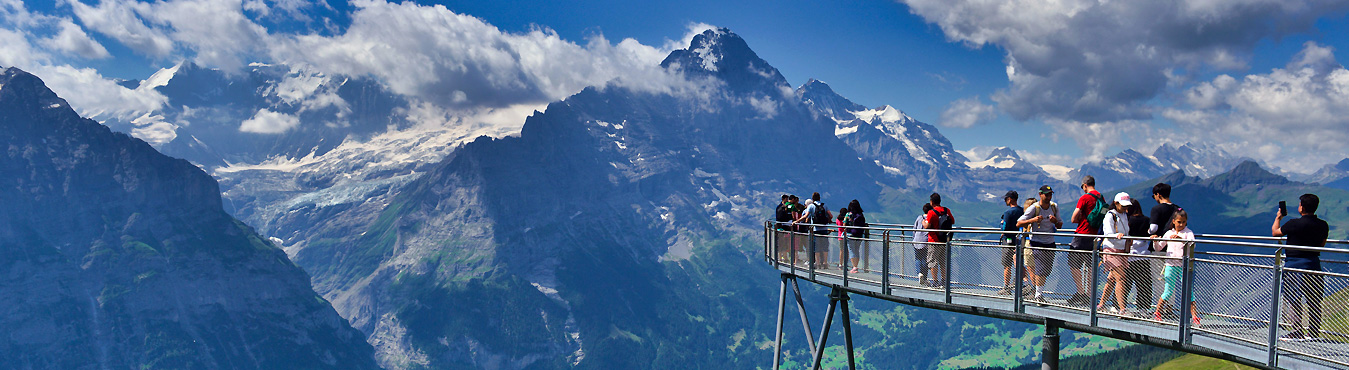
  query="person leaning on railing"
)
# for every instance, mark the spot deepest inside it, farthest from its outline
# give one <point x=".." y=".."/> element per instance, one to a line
<point x="1303" y="290"/>
<point x="920" y="245"/>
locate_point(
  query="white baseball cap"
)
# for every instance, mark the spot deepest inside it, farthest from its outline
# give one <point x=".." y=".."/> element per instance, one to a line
<point x="1123" y="198"/>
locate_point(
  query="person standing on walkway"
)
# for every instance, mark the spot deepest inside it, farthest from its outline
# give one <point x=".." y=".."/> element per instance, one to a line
<point x="1304" y="288"/>
<point x="816" y="213"/>
<point x="1043" y="217"/>
<point x="783" y="216"/>
<point x="1088" y="223"/>
<point x="939" y="218"/>
<point x="1179" y="243"/>
<point x="857" y="231"/>
<point x="1161" y="213"/>
<point x="1009" y="241"/>
<point x="1138" y="276"/>
<point x="1113" y="248"/>
<point x="842" y="237"/>
<point x="920" y="245"/>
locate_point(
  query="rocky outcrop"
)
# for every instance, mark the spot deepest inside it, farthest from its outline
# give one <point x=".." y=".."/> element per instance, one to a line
<point x="115" y="256"/>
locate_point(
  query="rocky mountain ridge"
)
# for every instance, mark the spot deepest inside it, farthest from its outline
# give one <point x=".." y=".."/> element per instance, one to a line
<point x="116" y="256"/>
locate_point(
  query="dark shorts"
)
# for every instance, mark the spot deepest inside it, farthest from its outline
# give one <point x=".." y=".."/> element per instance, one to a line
<point x="1079" y="261"/>
<point x="936" y="255"/>
<point x="1044" y="259"/>
<point x="820" y="242"/>
<point x="1009" y="253"/>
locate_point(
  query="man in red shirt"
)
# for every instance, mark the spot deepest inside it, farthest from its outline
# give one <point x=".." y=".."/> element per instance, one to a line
<point x="1078" y="261"/>
<point x="936" y="252"/>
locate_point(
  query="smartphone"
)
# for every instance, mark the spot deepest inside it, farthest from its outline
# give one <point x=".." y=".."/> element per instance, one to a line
<point x="1283" y="208"/>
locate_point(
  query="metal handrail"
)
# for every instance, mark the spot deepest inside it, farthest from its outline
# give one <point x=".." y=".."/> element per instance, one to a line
<point x="968" y="239"/>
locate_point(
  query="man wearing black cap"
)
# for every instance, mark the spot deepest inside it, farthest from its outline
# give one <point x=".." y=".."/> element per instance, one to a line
<point x="1043" y="217"/>
<point x="1009" y="241"/>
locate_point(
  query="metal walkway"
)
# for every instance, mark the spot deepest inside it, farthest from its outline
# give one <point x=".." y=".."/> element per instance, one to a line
<point x="1235" y="283"/>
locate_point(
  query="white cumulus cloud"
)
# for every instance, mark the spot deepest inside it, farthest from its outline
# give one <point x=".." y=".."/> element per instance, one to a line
<point x="458" y="60"/>
<point x="72" y="40"/>
<point x="268" y="122"/>
<point x="1296" y="117"/>
<point x="1103" y="61"/>
<point x="966" y="113"/>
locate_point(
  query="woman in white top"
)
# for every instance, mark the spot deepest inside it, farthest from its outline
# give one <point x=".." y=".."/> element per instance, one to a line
<point x="1113" y="246"/>
<point x="1180" y="241"/>
<point x="920" y="249"/>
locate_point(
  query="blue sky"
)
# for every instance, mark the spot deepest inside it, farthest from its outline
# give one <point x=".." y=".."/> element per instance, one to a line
<point x="1257" y="77"/>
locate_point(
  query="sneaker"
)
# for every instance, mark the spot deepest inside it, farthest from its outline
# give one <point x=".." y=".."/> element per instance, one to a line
<point x="1295" y="336"/>
<point x="1113" y="311"/>
<point x="1157" y="315"/>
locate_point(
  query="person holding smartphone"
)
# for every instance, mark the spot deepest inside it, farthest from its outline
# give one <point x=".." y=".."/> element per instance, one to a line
<point x="1304" y="289"/>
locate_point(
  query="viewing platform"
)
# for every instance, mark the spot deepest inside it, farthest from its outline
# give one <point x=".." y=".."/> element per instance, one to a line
<point x="1238" y="285"/>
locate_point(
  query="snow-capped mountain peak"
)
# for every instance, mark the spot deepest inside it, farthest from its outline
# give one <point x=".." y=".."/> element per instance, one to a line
<point x="160" y="77"/>
<point x="721" y="53"/>
<point x="1001" y="157"/>
<point x="885" y="113"/>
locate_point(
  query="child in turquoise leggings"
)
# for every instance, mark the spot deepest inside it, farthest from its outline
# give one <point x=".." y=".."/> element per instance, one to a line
<point x="1172" y="272"/>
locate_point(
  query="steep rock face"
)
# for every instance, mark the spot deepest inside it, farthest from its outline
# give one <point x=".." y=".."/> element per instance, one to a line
<point x="1330" y="173"/>
<point x="913" y="152"/>
<point x="115" y="256"/>
<point x="597" y="227"/>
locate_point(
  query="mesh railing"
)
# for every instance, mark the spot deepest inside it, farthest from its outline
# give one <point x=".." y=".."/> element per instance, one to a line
<point x="1219" y="286"/>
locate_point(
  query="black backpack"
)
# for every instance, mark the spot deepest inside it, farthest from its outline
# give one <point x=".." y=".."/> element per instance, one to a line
<point x="945" y="221"/>
<point x="858" y="221"/>
<point x="822" y="215"/>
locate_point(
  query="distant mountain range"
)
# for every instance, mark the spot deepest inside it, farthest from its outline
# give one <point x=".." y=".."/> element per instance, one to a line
<point x="1129" y="166"/>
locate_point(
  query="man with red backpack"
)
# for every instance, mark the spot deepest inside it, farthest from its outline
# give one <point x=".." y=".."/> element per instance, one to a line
<point x="1089" y="215"/>
<point x="939" y="218"/>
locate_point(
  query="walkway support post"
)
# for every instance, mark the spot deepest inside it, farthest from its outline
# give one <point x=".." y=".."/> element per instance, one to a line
<point x="1274" y="299"/>
<point x="885" y="262"/>
<point x="847" y="327"/>
<point x="801" y="307"/>
<point x="1049" y="355"/>
<point x="1018" y="299"/>
<point x="946" y="270"/>
<point x="1186" y="292"/>
<point x="1095" y="284"/>
<point x="782" y="308"/>
<point x="836" y="297"/>
<point x="824" y="332"/>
